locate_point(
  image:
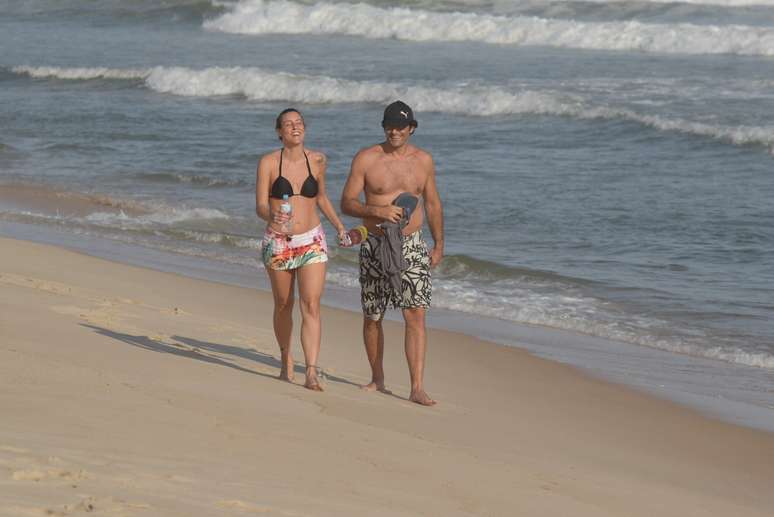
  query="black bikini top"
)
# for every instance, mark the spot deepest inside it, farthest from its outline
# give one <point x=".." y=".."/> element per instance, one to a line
<point x="282" y="187"/>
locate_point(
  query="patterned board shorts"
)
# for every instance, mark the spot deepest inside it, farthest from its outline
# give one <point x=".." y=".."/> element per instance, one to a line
<point x="376" y="292"/>
<point x="283" y="252"/>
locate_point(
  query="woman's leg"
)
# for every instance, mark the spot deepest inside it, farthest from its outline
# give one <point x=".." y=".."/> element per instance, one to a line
<point x="282" y="283"/>
<point x="311" y="281"/>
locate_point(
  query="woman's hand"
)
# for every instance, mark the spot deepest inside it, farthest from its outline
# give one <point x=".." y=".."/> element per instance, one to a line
<point x="342" y="233"/>
<point x="279" y="217"/>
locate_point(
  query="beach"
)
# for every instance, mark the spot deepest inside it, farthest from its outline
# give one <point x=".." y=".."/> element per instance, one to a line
<point x="600" y="338"/>
<point x="129" y="391"/>
<point x="605" y="170"/>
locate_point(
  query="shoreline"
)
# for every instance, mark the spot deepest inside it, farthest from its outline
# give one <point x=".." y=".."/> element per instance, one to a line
<point x="717" y="389"/>
<point x="132" y="390"/>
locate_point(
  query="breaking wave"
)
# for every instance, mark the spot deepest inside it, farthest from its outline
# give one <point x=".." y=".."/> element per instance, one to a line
<point x="81" y="73"/>
<point x="192" y="179"/>
<point x="258" y="17"/>
<point x="470" y="100"/>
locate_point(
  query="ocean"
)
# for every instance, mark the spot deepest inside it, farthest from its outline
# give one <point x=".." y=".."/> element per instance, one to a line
<point x="606" y="167"/>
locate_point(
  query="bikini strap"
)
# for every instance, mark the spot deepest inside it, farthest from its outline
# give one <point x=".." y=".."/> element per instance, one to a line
<point x="308" y="167"/>
<point x="306" y="157"/>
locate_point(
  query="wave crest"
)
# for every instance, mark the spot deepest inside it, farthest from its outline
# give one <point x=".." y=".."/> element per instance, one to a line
<point x="470" y="100"/>
<point x="195" y="179"/>
<point x="258" y="17"/>
<point x="82" y="73"/>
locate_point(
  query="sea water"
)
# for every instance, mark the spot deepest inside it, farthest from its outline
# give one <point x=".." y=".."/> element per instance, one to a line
<point x="606" y="168"/>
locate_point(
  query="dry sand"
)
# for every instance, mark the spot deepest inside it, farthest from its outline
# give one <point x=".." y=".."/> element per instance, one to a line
<point x="126" y="391"/>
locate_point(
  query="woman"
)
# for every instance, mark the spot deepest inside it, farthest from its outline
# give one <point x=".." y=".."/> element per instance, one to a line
<point x="294" y="246"/>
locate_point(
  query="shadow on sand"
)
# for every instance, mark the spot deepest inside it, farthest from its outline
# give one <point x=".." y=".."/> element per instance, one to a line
<point x="208" y="352"/>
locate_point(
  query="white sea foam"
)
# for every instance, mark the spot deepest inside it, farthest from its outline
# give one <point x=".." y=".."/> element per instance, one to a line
<point x="504" y="4"/>
<point x="236" y="241"/>
<point x="158" y="216"/>
<point x="737" y="135"/>
<point x="511" y="301"/>
<point x="106" y="210"/>
<point x="543" y="304"/>
<point x="470" y="100"/>
<point x="724" y="3"/>
<point x="83" y="73"/>
<point x="257" y="84"/>
<point x="281" y="16"/>
<point x="195" y="179"/>
<point x="261" y="85"/>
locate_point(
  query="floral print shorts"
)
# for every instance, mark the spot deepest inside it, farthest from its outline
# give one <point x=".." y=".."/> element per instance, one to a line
<point x="283" y="252"/>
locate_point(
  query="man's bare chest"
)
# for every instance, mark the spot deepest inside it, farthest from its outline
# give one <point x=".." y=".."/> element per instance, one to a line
<point x="395" y="176"/>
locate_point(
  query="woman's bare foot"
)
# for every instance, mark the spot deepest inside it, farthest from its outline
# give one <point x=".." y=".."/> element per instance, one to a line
<point x="376" y="386"/>
<point x="420" y="397"/>
<point x="312" y="381"/>
<point x="286" y="371"/>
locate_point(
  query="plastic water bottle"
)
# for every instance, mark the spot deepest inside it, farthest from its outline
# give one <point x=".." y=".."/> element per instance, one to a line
<point x="286" y="208"/>
<point x="355" y="236"/>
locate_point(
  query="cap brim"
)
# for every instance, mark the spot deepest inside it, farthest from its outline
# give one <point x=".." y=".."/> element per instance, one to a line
<point x="401" y="123"/>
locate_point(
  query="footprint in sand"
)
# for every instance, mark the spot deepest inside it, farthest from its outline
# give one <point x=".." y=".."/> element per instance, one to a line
<point x="49" y="475"/>
<point x="245" y="506"/>
<point x="86" y="504"/>
<point x="54" y="475"/>
<point x="9" y="448"/>
<point x="98" y="506"/>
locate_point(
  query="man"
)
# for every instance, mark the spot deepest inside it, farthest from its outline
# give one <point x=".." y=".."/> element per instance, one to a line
<point x="384" y="172"/>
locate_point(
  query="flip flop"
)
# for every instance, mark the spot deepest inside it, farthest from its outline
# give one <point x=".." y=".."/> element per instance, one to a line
<point x="408" y="202"/>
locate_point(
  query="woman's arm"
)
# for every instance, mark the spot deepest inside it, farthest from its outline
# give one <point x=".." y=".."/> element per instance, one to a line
<point x="262" y="177"/>
<point x="326" y="207"/>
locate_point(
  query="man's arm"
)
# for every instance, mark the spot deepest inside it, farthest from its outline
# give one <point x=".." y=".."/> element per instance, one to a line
<point x="434" y="210"/>
<point x="350" y="196"/>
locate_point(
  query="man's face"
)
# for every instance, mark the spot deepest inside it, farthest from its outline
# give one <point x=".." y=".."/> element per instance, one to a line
<point x="397" y="136"/>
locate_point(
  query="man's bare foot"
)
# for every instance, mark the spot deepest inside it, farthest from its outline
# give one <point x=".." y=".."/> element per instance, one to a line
<point x="420" y="397"/>
<point x="376" y="386"/>
<point x="312" y="382"/>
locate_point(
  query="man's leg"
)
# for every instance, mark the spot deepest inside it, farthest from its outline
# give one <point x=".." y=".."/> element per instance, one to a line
<point x="373" y="337"/>
<point x="374" y="304"/>
<point x="416" y="344"/>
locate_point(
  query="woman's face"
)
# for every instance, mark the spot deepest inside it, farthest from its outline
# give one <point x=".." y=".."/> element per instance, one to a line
<point x="291" y="129"/>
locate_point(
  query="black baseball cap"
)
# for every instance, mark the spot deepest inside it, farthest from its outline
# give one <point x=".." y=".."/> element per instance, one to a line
<point x="399" y="114"/>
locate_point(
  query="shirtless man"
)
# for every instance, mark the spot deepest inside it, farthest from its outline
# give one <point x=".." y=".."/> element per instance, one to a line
<point x="384" y="171"/>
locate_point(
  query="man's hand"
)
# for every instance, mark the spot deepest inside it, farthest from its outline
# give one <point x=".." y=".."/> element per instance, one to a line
<point x="390" y="213"/>
<point x="436" y="255"/>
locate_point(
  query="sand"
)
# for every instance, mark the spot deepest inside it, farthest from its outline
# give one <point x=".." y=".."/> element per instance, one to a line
<point x="127" y="391"/>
